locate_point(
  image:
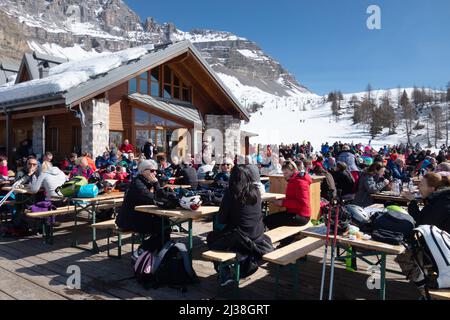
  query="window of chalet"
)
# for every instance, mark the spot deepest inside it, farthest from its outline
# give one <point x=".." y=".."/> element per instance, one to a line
<point x="158" y="129"/>
<point x="161" y="82"/>
<point x="76" y="140"/>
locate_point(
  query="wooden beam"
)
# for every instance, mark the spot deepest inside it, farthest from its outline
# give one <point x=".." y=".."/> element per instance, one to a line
<point x="8" y="136"/>
<point x="39" y="113"/>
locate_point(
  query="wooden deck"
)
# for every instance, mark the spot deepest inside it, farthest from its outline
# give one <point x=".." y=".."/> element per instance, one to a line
<point x="31" y="269"/>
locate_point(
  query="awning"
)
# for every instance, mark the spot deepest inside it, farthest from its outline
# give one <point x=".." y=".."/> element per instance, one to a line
<point x="180" y="110"/>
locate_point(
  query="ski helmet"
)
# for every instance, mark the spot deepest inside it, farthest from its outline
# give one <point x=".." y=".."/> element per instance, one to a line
<point x="191" y="203"/>
<point x="359" y="217"/>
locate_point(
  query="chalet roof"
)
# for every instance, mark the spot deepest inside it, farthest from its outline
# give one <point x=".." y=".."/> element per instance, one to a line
<point x="65" y="84"/>
<point x="7" y="70"/>
<point x="37" y="65"/>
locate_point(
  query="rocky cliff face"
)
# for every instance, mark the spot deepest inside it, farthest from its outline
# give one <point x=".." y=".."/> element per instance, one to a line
<point x="110" y="25"/>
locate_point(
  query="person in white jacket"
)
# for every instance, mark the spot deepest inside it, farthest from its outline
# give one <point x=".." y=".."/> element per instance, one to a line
<point x="50" y="178"/>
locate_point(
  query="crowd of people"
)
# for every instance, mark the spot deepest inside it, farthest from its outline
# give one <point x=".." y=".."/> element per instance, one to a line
<point x="352" y="173"/>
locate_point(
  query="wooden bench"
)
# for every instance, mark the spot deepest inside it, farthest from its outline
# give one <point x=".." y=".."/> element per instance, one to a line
<point x="288" y="255"/>
<point x="113" y="229"/>
<point x="440" y="294"/>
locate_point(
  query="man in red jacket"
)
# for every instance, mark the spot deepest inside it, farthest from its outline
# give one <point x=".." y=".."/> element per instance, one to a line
<point x="126" y="147"/>
<point x="297" y="201"/>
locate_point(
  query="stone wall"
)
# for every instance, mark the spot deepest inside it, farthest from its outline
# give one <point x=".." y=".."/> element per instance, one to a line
<point x="229" y="127"/>
<point x="38" y="138"/>
<point x="95" y="133"/>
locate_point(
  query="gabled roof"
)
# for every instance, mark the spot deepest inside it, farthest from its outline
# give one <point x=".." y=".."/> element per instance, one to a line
<point x="7" y="70"/>
<point x="32" y="62"/>
<point x="90" y="88"/>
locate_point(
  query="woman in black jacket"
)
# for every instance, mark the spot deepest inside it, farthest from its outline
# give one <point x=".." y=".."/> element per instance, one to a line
<point x="343" y="179"/>
<point x="240" y="212"/>
<point x="140" y="193"/>
<point x="435" y="190"/>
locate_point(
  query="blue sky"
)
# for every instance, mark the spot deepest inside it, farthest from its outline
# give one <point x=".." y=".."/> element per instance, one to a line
<point x="326" y="43"/>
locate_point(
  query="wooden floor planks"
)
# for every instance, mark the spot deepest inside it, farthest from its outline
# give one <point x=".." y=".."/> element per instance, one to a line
<point x="30" y="269"/>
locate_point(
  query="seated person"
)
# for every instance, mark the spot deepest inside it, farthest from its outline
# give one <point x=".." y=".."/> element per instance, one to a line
<point x="223" y="176"/>
<point x="109" y="173"/>
<point x="103" y="161"/>
<point x="327" y="187"/>
<point x="91" y="162"/>
<point x="50" y="178"/>
<point x="187" y="175"/>
<point x="121" y="175"/>
<point x="3" y="168"/>
<point x="344" y="180"/>
<point x="141" y="192"/>
<point x="371" y="181"/>
<point x="435" y="191"/>
<point x="30" y="172"/>
<point x="82" y="169"/>
<point x="240" y="212"/>
<point x="297" y="201"/>
<point x="67" y="165"/>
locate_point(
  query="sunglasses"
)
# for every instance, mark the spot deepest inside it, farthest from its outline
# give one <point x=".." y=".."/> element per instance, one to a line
<point x="226" y="165"/>
<point x="32" y="164"/>
<point x="151" y="170"/>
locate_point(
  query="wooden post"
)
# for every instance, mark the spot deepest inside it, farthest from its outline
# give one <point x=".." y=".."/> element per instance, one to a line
<point x="8" y="136"/>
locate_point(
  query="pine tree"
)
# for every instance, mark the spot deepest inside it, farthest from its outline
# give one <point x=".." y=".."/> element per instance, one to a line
<point x="376" y="126"/>
<point x="388" y="114"/>
<point x="369" y="92"/>
<point x="331" y="97"/>
<point x="335" y="109"/>
<point x="408" y="114"/>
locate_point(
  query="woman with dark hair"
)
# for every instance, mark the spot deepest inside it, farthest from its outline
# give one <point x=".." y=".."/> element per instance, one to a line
<point x="371" y="181"/>
<point x="240" y="212"/>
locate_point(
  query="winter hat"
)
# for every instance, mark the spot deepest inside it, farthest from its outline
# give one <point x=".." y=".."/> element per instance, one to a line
<point x="368" y="149"/>
<point x="394" y="156"/>
<point x="147" y="165"/>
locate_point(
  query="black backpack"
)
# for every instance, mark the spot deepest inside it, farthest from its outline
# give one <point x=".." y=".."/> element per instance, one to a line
<point x="392" y="227"/>
<point x="166" y="198"/>
<point x="171" y="266"/>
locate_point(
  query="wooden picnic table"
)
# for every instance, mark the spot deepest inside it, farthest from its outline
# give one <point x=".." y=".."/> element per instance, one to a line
<point x="264" y="179"/>
<point x="368" y="247"/>
<point x="205" y="182"/>
<point x="90" y="206"/>
<point x="180" y="215"/>
<point x="24" y="190"/>
<point x="390" y="196"/>
<point x="175" y="186"/>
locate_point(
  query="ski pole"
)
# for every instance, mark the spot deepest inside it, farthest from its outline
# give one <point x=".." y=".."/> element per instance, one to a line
<point x="325" y="254"/>
<point x="333" y="248"/>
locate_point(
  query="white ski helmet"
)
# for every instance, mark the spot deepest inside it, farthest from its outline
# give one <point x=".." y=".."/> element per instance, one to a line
<point x="360" y="217"/>
<point x="191" y="203"/>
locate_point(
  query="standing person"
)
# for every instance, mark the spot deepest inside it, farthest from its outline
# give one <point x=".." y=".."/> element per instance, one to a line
<point x="148" y="149"/>
<point x="126" y="147"/>
<point x="141" y="192"/>
<point x="297" y="201"/>
<point x="50" y="178"/>
<point x="240" y="212"/>
<point x="372" y="181"/>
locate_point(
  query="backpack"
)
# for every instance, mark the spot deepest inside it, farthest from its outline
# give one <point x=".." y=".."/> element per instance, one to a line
<point x="71" y="187"/>
<point x="88" y="191"/>
<point x="394" y="222"/>
<point x="166" y="198"/>
<point x="436" y="243"/>
<point x="170" y="266"/>
<point x="42" y="206"/>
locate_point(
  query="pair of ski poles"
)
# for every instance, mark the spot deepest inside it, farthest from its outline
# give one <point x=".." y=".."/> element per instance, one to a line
<point x="333" y="249"/>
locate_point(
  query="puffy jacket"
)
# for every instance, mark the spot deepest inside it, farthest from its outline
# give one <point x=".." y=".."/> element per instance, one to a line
<point x="368" y="185"/>
<point x="101" y="162"/>
<point x="436" y="211"/>
<point x="298" y="195"/>
<point x="349" y="159"/>
<point x="344" y="181"/>
<point x="396" y="171"/>
<point x="4" y="171"/>
<point x="49" y="180"/>
<point x="78" y="171"/>
<point x="138" y="194"/>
